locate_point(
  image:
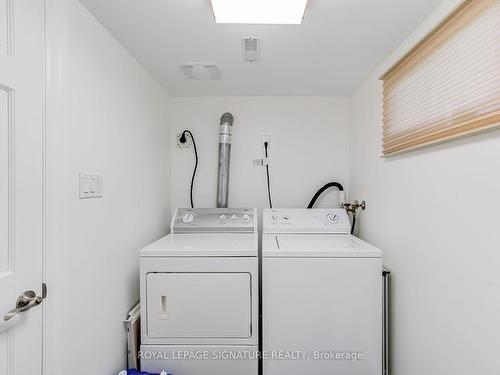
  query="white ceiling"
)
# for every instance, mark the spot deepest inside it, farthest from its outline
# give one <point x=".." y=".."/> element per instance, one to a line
<point x="339" y="43"/>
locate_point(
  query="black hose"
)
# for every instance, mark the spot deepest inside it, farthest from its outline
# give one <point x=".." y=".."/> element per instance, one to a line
<point x="267" y="174"/>
<point x="320" y="191"/>
<point x="353" y="225"/>
<point x="195" y="164"/>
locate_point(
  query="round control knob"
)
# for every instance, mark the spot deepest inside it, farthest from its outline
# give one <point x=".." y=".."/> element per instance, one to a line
<point x="274" y="217"/>
<point x="334" y="218"/>
<point x="234" y="217"/>
<point x="246" y="217"/>
<point x="222" y="217"/>
<point x="188" y="218"/>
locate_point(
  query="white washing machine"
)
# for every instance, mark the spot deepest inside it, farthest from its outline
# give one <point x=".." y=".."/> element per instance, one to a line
<point x="322" y="295"/>
<point x="199" y="295"/>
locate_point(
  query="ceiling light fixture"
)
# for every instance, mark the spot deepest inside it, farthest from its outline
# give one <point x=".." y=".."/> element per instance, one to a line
<point x="259" y="11"/>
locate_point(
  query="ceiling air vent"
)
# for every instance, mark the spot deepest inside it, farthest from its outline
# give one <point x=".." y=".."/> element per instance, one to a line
<point x="251" y="50"/>
<point x="201" y="71"/>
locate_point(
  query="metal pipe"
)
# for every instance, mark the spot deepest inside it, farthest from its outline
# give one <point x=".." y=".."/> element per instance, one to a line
<point x="225" y="134"/>
<point x="386" y="359"/>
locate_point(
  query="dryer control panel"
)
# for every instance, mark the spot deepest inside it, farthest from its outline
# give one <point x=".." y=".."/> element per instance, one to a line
<point x="302" y="220"/>
<point x="214" y="220"/>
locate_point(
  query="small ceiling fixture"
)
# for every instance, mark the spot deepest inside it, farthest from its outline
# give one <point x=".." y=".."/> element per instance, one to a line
<point x="259" y="11"/>
<point x="201" y="71"/>
<point x="251" y="50"/>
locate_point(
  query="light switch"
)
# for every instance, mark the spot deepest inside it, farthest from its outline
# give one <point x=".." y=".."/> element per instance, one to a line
<point x="91" y="186"/>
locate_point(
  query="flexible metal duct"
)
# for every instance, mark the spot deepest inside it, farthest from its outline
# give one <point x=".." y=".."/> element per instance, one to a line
<point x="225" y="134"/>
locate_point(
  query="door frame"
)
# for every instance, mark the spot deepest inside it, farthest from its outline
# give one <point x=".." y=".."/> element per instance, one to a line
<point x="43" y="365"/>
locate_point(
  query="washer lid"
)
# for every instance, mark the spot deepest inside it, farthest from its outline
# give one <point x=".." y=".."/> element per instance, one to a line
<point x="203" y="245"/>
<point x="317" y="246"/>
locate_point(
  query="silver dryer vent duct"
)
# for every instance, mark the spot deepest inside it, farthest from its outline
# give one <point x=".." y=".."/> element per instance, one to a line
<point x="225" y="134"/>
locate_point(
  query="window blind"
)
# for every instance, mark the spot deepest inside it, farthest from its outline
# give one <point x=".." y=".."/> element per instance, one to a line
<point x="448" y="85"/>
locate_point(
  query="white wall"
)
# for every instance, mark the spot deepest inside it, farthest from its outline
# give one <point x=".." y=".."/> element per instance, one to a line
<point x="104" y="115"/>
<point x="435" y="214"/>
<point x="309" y="147"/>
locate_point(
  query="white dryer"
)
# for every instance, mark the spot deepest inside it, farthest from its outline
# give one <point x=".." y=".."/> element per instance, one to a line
<point x="199" y="295"/>
<point x="322" y="295"/>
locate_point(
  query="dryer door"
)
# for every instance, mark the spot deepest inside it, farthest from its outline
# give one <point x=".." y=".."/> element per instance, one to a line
<point x="199" y="305"/>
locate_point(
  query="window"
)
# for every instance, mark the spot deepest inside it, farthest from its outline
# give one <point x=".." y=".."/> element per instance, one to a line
<point x="449" y="84"/>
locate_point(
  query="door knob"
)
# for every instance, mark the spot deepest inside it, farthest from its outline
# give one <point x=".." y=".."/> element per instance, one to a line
<point x="26" y="301"/>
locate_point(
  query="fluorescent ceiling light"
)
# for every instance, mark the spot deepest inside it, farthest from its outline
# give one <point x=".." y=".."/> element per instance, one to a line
<point x="259" y="11"/>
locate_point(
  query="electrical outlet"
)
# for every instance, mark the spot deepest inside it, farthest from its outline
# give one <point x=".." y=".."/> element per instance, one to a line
<point x="187" y="144"/>
<point x="266" y="138"/>
<point x="260" y="162"/>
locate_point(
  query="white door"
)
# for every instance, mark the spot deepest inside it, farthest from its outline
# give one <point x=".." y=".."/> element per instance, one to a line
<point x="197" y="305"/>
<point x="21" y="183"/>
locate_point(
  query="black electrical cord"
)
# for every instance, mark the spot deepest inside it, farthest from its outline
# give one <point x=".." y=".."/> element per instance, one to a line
<point x="183" y="139"/>
<point x="266" y="144"/>
<point x="320" y="191"/>
<point x="353" y="225"/>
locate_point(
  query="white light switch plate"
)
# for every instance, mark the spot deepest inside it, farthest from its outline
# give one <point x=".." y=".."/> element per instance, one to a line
<point x="90" y="186"/>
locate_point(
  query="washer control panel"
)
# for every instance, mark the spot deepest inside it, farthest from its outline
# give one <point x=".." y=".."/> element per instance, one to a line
<point x="214" y="220"/>
<point x="302" y="220"/>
